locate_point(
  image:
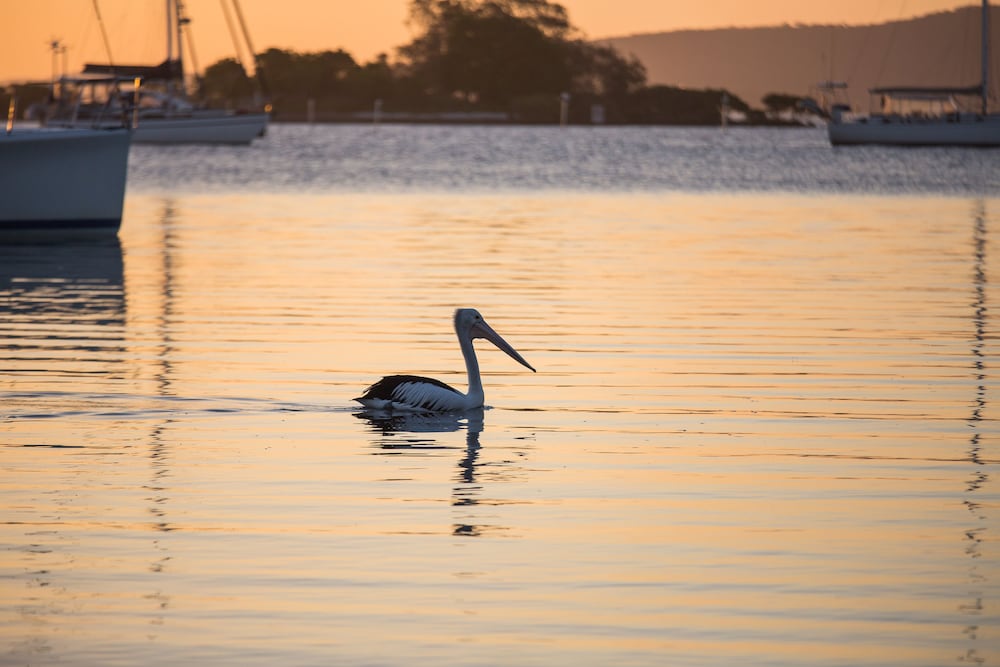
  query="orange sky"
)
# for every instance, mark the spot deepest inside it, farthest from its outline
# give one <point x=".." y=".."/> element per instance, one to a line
<point x="366" y="28"/>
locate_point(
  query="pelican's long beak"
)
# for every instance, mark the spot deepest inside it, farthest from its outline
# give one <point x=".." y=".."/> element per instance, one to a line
<point x="482" y="330"/>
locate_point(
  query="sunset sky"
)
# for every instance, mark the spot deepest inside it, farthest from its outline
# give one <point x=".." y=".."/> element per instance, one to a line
<point x="366" y="28"/>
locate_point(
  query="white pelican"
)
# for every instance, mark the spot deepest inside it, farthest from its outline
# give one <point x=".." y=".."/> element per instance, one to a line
<point x="411" y="393"/>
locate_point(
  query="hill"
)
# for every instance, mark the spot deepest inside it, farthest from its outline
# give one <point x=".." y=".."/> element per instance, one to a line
<point x="937" y="49"/>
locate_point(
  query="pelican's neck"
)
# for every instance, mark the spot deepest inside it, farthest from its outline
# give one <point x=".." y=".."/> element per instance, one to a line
<point x="472" y="367"/>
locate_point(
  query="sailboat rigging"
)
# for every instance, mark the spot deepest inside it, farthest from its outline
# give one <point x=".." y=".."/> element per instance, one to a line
<point x="164" y="113"/>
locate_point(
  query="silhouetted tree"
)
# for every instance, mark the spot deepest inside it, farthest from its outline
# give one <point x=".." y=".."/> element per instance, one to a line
<point x="493" y="52"/>
<point x="283" y="73"/>
<point x="602" y="70"/>
<point x="308" y="74"/>
<point x="225" y="81"/>
<point x="374" y="80"/>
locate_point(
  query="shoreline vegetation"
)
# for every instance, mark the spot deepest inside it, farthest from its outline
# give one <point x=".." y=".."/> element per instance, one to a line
<point x="473" y="61"/>
<point x="663" y="105"/>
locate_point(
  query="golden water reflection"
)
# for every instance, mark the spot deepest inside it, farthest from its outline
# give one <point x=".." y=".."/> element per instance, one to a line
<point x="761" y="432"/>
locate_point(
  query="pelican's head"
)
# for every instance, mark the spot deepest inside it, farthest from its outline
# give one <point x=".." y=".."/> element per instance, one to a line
<point x="469" y="325"/>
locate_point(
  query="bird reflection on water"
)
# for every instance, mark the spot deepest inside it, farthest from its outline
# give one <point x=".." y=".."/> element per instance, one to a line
<point x="415" y="434"/>
<point x="388" y="421"/>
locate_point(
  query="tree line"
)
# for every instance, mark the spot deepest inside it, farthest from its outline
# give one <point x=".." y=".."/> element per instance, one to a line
<point x="518" y="57"/>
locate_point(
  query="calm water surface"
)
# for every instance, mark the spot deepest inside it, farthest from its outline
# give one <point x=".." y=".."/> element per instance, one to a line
<point x="762" y="431"/>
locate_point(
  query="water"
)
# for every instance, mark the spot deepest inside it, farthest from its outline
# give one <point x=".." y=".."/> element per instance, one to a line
<point x="762" y="431"/>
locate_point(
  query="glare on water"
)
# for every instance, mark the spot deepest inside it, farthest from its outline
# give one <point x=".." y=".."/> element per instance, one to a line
<point x="761" y="432"/>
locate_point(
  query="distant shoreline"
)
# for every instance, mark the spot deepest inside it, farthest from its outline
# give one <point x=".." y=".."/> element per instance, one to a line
<point x="479" y="118"/>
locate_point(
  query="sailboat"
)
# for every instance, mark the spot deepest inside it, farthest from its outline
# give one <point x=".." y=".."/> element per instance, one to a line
<point x="159" y="108"/>
<point x="938" y="121"/>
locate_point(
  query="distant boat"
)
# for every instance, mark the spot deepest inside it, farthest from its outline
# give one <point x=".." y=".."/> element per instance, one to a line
<point x="159" y="118"/>
<point x="924" y="116"/>
<point x="63" y="181"/>
<point x="159" y="109"/>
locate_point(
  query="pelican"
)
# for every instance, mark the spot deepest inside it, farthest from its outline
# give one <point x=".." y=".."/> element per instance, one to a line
<point x="411" y="393"/>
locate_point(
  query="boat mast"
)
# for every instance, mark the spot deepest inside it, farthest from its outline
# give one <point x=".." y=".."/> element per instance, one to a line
<point x="170" y="32"/>
<point x="985" y="92"/>
<point x="179" y="22"/>
<point x="170" y="47"/>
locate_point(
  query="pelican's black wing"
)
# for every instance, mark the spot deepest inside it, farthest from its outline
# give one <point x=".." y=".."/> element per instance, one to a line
<point x="384" y="388"/>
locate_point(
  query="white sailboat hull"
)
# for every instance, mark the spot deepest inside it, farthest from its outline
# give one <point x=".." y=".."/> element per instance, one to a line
<point x="966" y="131"/>
<point x="59" y="179"/>
<point x="202" y="128"/>
<point x="198" y="127"/>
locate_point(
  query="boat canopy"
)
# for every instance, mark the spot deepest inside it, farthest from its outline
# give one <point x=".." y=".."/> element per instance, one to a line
<point x="84" y="80"/>
<point x="168" y="69"/>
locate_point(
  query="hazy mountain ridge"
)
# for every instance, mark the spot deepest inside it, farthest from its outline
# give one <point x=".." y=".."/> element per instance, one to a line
<point x="936" y="49"/>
